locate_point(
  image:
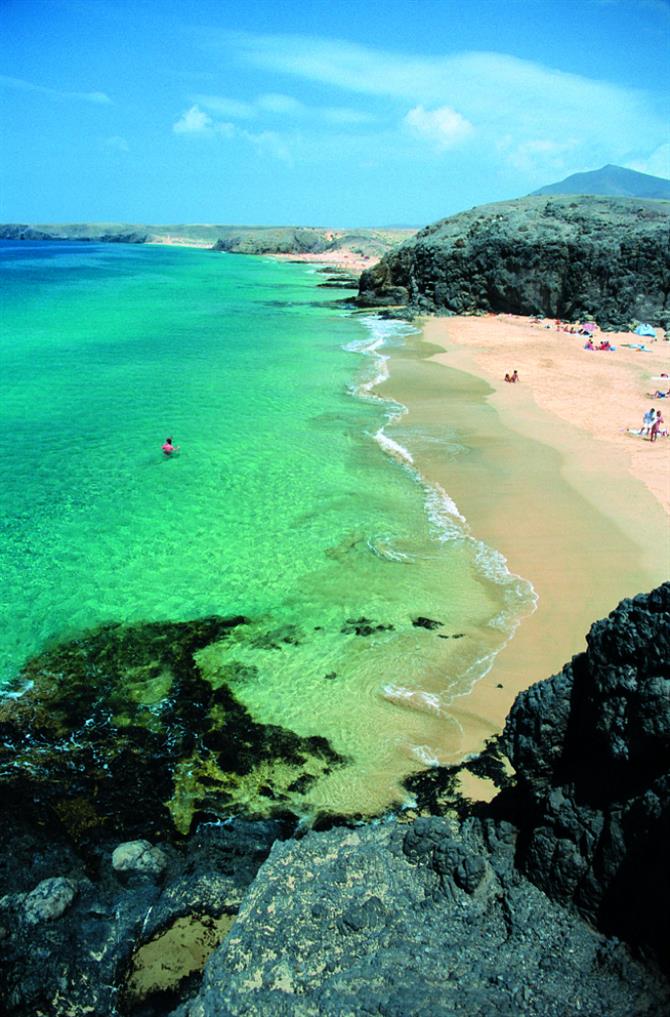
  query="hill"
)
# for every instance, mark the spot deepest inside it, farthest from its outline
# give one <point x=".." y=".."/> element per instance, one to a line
<point x="580" y="258"/>
<point x="614" y="181"/>
<point x="366" y="243"/>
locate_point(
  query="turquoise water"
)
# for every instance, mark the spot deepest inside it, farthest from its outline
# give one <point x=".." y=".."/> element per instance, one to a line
<point x="286" y="503"/>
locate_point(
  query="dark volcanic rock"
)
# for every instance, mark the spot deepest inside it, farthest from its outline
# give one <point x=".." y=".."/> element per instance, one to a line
<point x="567" y="257"/>
<point x="428" y="920"/>
<point x="434" y="917"/>
<point x="74" y="944"/>
<point x="591" y="747"/>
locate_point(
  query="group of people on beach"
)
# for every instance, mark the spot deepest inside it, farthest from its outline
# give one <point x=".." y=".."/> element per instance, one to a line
<point x="604" y="345"/>
<point x="653" y="424"/>
<point x="513" y="377"/>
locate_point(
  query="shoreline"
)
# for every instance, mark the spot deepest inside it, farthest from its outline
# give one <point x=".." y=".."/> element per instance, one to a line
<point x="343" y="257"/>
<point x="573" y="502"/>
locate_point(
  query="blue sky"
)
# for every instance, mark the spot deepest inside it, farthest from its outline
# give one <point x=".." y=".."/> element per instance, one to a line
<point x="337" y="113"/>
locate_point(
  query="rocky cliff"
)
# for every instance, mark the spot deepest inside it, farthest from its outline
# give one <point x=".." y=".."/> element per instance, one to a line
<point x="552" y="900"/>
<point x="575" y="258"/>
<point x="591" y="747"/>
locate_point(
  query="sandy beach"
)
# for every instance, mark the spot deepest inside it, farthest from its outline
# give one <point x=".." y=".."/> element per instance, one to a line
<point x="552" y="478"/>
<point x="341" y="258"/>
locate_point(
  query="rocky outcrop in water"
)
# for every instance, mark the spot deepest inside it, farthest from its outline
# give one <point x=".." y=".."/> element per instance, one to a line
<point x="576" y="258"/>
<point x="108" y="907"/>
<point x="126" y="732"/>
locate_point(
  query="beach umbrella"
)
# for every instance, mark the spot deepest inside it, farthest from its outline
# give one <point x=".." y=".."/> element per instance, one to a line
<point x="589" y="326"/>
<point x="644" y="329"/>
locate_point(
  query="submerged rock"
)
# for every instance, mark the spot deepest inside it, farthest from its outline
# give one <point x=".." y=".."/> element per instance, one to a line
<point x="127" y="731"/>
<point x="428" y="915"/>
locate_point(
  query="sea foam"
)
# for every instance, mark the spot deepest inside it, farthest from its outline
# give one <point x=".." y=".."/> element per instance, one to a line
<point x="447" y="521"/>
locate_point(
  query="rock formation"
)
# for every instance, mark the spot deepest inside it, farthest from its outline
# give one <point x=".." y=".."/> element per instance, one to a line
<point x="476" y="911"/>
<point x="577" y="258"/>
<point x="591" y="747"/>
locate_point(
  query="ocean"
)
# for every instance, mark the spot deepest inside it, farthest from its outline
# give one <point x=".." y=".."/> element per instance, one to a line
<point x="288" y="503"/>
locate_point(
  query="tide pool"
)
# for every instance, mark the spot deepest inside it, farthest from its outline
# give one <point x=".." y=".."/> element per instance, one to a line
<point x="287" y="503"/>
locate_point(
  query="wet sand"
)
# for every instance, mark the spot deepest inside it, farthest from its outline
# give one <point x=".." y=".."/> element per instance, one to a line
<point x="544" y="471"/>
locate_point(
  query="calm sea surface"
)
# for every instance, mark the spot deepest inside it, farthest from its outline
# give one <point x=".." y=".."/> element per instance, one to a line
<point x="287" y="503"/>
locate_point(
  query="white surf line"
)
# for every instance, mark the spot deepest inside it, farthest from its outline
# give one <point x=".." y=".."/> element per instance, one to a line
<point x="441" y="509"/>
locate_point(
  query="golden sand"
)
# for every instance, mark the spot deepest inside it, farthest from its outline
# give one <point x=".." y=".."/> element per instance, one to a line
<point x="552" y="478"/>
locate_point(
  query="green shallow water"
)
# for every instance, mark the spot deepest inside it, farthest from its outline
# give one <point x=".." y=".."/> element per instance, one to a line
<point x="282" y="505"/>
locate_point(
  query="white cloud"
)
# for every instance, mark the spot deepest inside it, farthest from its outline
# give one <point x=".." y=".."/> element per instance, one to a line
<point x="498" y="93"/>
<point x="657" y="164"/>
<point x="444" y="126"/>
<point x="269" y="143"/>
<point x="196" y="121"/>
<point x="537" y="155"/>
<point x="99" y="98"/>
<point x="193" y="121"/>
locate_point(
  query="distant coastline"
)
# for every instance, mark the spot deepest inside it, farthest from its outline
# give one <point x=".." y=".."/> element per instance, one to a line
<point x="353" y="249"/>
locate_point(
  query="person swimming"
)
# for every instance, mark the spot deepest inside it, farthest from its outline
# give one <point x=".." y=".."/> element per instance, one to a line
<point x="168" y="448"/>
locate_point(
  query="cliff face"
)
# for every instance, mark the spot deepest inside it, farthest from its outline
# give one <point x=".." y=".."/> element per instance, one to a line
<point x="591" y="747"/>
<point x="573" y="258"/>
<point x="428" y="915"/>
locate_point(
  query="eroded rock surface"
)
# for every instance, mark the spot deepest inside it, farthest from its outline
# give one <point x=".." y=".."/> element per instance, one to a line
<point x="426" y="920"/>
<point x="435" y="916"/>
<point x="591" y="747"/>
<point x="572" y="257"/>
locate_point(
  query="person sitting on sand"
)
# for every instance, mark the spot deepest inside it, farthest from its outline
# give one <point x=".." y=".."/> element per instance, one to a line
<point x="508" y="377"/>
<point x="515" y="375"/>
<point x="588" y="345"/>
<point x="168" y="448"/>
<point x="605" y="345"/>
<point x="657" y="427"/>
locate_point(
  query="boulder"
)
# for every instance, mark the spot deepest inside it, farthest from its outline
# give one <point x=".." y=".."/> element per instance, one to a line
<point x="49" y="900"/>
<point x="139" y="856"/>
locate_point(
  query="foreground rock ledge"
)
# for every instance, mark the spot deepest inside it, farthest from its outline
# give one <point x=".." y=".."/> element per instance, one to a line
<point x="436" y="917"/>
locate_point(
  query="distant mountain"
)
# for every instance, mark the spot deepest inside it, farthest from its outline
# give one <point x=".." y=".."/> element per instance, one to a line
<point x="614" y="181"/>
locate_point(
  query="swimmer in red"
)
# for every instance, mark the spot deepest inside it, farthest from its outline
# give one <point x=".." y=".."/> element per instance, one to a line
<point x="168" y="448"/>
